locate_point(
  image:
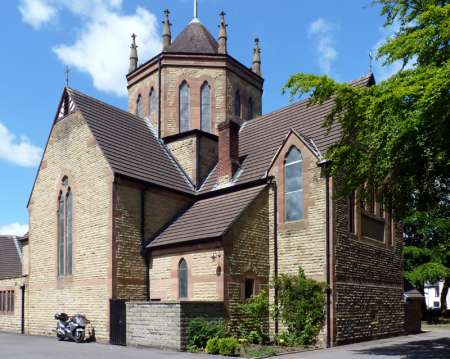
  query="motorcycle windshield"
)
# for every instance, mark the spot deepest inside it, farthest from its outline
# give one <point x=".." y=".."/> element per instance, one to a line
<point x="80" y="320"/>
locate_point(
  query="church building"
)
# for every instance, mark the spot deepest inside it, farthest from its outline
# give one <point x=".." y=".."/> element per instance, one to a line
<point x="192" y="194"/>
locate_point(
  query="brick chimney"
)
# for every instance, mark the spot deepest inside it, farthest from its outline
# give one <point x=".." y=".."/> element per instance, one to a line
<point x="228" y="150"/>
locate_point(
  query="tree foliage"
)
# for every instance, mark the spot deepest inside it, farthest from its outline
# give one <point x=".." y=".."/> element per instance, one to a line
<point x="396" y="134"/>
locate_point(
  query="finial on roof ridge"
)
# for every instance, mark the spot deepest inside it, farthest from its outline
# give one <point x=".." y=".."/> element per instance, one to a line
<point x="223" y="37"/>
<point x="167" y="34"/>
<point x="256" y="64"/>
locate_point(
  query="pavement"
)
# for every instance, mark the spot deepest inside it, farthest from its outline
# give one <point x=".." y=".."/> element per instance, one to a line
<point x="429" y="345"/>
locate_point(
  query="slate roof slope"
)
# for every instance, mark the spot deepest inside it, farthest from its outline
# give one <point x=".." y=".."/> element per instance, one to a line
<point x="129" y="145"/>
<point x="10" y="263"/>
<point x="207" y="218"/>
<point x="260" y="138"/>
<point x="196" y="39"/>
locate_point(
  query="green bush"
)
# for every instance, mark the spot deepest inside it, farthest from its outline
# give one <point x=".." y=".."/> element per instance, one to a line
<point x="254" y="315"/>
<point x="229" y="347"/>
<point x="212" y="346"/>
<point x="301" y="307"/>
<point x="200" y="330"/>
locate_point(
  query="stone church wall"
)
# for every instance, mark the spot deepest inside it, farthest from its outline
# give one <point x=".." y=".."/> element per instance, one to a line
<point x="247" y="253"/>
<point x="71" y="152"/>
<point x="160" y="207"/>
<point x="205" y="280"/>
<point x="369" y="284"/>
<point x="12" y="321"/>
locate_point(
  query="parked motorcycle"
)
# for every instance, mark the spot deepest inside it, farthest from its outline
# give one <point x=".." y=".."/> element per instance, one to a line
<point x="73" y="328"/>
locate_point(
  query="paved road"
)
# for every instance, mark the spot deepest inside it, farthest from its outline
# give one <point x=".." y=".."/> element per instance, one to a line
<point x="431" y="345"/>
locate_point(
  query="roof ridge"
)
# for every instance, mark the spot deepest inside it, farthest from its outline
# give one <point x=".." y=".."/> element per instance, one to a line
<point x="105" y="104"/>
<point x="302" y="101"/>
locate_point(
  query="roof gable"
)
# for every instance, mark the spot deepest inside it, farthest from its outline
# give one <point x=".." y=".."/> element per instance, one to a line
<point x="261" y="138"/>
<point x="129" y="145"/>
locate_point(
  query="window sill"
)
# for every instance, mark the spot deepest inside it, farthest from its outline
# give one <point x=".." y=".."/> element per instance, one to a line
<point x="293" y="225"/>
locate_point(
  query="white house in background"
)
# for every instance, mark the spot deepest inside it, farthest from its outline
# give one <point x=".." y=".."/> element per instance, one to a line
<point x="433" y="295"/>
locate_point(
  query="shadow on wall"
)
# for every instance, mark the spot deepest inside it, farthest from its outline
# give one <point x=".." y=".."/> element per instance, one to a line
<point x="424" y="349"/>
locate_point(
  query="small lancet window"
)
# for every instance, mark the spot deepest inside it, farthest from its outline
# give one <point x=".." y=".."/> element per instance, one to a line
<point x="65" y="226"/>
<point x="152" y="103"/>
<point x="183" y="279"/>
<point x="237" y="104"/>
<point x="140" y="106"/>
<point x="293" y="186"/>
<point x="205" y="107"/>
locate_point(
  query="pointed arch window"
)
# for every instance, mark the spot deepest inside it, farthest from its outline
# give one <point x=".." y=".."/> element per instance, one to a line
<point x="65" y="227"/>
<point x="183" y="279"/>
<point x="140" y="106"/>
<point x="237" y="104"/>
<point x="152" y="103"/>
<point x="250" y="109"/>
<point x="184" y="107"/>
<point x="205" y="106"/>
<point x="293" y="186"/>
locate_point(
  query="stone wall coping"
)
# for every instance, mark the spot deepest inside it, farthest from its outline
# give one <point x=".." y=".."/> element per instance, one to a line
<point x="175" y="302"/>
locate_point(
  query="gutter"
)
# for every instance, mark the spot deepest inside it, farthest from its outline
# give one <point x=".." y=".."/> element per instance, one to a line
<point x="325" y="167"/>
<point x="144" y="252"/>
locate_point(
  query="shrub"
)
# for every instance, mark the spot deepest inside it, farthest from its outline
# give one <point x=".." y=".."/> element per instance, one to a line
<point x="301" y="307"/>
<point x="200" y="330"/>
<point x="254" y="317"/>
<point x="229" y="346"/>
<point x="212" y="346"/>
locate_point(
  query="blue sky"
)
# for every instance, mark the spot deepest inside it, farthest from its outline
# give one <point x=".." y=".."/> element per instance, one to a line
<point x="39" y="37"/>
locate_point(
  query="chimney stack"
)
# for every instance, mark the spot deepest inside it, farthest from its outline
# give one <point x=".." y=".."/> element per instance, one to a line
<point x="167" y="35"/>
<point x="228" y="150"/>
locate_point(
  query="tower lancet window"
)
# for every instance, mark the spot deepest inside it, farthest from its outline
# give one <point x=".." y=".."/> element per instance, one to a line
<point x="184" y="107"/>
<point x="65" y="229"/>
<point x="205" y="107"/>
<point x="237" y="104"/>
<point x="152" y="102"/>
<point x="140" y="106"/>
<point x="250" y="109"/>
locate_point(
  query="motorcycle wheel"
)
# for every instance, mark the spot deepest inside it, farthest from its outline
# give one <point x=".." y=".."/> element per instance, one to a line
<point x="78" y="336"/>
<point x="60" y="338"/>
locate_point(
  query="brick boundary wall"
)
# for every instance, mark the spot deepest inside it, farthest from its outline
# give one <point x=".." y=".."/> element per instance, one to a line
<point x="164" y="325"/>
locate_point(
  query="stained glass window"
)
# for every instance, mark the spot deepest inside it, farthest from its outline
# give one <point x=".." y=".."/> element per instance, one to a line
<point x="293" y="186"/>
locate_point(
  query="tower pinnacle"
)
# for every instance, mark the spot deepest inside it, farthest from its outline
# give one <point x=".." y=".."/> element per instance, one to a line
<point x="133" y="54"/>
<point x="223" y="34"/>
<point x="195" y="19"/>
<point x="167" y="35"/>
<point x="256" y="65"/>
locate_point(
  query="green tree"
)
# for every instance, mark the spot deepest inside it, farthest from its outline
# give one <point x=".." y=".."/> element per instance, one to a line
<point x="396" y="134"/>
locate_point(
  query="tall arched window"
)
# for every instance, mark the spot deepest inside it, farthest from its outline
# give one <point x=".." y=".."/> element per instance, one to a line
<point x="293" y="186"/>
<point x="184" y="107"/>
<point x="140" y="106"/>
<point x="250" y="109"/>
<point x="65" y="220"/>
<point x="237" y="104"/>
<point x="183" y="279"/>
<point x="205" y="106"/>
<point x="152" y="103"/>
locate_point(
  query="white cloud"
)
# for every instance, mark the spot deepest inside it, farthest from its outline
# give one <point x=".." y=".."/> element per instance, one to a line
<point x="18" y="151"/>
<point x="323" y="31"/>
<point x="14" y="229"/>
<point x="36" y="12"/>
<point x="102" y="46"/>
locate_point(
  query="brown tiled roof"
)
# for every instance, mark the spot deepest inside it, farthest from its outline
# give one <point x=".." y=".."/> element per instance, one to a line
<point x="207" y="218"/>
<point x="10" y="263"/>
<point x="129" y="145"/>
<point x="196" y="39"/>
<point x="260" y="138"/>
